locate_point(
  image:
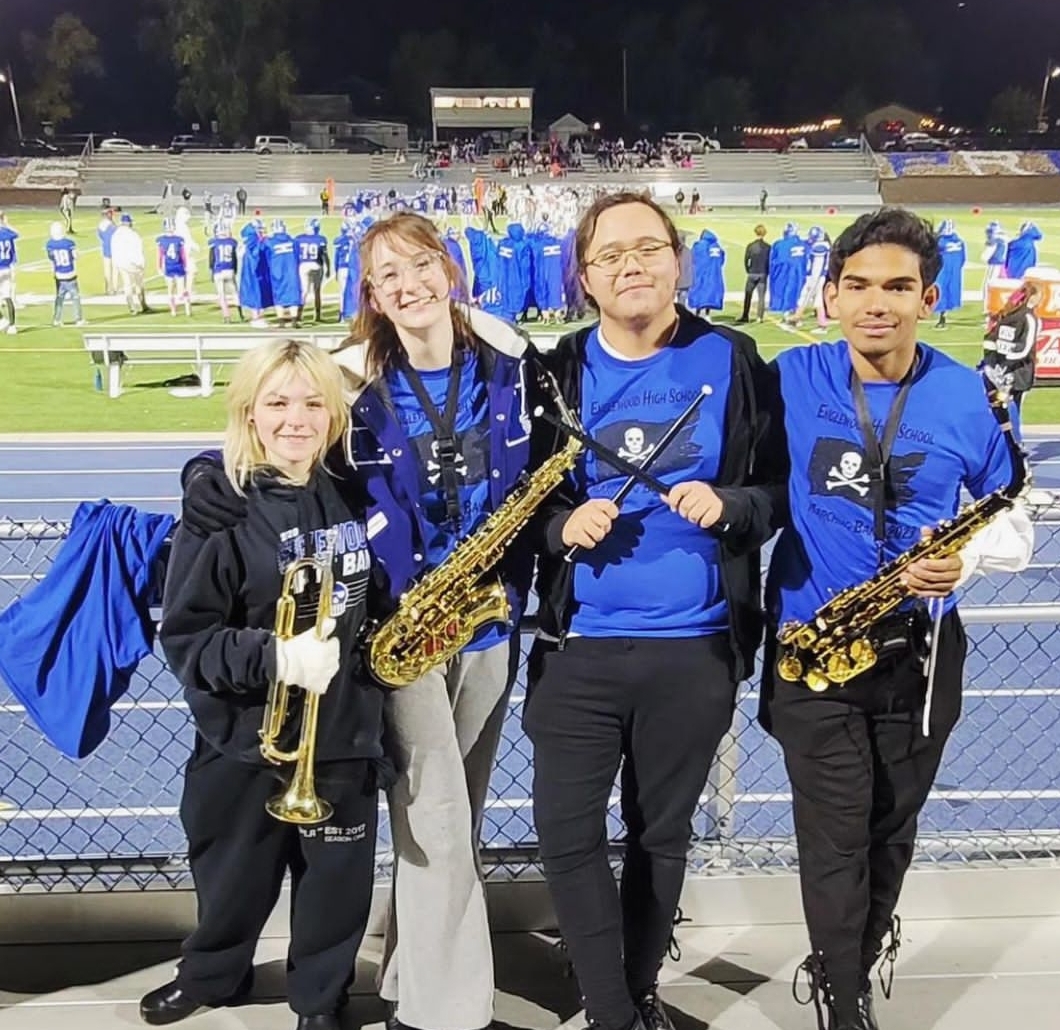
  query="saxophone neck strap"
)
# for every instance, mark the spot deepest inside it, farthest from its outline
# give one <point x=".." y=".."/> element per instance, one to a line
<point x="444" y="425"/>
<point x="877" y="450"/>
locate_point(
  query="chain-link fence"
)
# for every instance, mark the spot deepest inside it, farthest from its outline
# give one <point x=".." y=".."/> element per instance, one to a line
<point x="111" y="820"/>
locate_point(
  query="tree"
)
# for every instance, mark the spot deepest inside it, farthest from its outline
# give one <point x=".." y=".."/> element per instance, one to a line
<point x="1014" y="109"/>
<point x="56" y="61"/>
<point x="722" y="104"/>
<point x="422" y="60"/>
<point x="659" y="91"/>
<point x="839" y="48"/>
<point x="853" y="106"/>
<point x="232" y="59"/>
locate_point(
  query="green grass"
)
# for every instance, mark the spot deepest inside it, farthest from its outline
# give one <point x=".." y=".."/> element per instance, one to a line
<point x="46" y="378"/>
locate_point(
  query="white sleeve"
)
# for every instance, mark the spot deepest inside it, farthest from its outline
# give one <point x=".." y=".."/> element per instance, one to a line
<point x="1004" y="545"/>
<point x="1029" y="341"/>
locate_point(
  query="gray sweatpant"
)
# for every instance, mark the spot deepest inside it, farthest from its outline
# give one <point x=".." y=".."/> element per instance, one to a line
<point x="443" y="732"/>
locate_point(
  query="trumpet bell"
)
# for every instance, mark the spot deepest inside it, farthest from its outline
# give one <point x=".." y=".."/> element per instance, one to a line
<point x="299" y="809"/>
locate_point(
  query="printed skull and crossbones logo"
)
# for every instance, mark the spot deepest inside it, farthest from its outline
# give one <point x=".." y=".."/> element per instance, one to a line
<point x="434" y="467"/>
<point x="635" y="447"/>
<point x="847" y="474"/>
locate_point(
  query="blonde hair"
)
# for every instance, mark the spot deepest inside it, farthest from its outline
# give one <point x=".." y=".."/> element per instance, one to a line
<point x="244" y="453"/>
<point x="384" y="346"/>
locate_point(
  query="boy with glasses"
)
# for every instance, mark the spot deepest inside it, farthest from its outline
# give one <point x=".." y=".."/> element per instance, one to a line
<point x="646" y="632"/>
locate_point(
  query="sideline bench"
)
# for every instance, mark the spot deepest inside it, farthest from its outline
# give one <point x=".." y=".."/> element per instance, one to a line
<point x="203" y="351"/>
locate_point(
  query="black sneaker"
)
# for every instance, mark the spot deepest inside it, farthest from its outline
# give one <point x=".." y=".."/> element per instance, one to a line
<point x="652" y="1013"/>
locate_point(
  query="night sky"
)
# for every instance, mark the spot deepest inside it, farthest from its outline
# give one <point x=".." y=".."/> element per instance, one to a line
<point x="968" y="51"/>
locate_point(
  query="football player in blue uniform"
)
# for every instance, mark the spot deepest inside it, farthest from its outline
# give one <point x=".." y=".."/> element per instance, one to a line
<point x="223" y="249"/>
<point x="995" y="254"/>
<point x="8" y="260"/>
<point x="283" y="273"/>
<point x="951" y="277"/>
<point x="314" y="265"/>
<point x="173" y="266"/>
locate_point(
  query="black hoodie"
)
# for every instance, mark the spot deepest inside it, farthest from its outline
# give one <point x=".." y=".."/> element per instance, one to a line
<point x="752" y="484"/>
<point x="219" y="612"/>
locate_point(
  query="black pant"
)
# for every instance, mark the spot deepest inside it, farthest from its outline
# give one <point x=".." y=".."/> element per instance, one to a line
<point x="242" y="205"/>
<point x="860" y="770"/>
<point x="238" y="855"/>
<point x="660" y="708"/>
<point x="754" y="283"/>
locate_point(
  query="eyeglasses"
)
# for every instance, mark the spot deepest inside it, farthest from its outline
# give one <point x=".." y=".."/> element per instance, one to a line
<point x="647" y="252"/>
<point x="390" y="278"/>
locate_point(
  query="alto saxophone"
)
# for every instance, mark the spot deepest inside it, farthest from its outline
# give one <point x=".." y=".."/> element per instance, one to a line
<point x="838" y="643"/>
<point x="437" y="617"/>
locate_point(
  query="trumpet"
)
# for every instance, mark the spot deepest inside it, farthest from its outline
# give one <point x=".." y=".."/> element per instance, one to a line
<point x="299" y="803"/>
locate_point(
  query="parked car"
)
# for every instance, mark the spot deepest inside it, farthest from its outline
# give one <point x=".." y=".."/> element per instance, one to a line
<point x="357" y="145"/>
<point x="190" y="141"/>
<point x="277" y="145"/>
<point x="695" y="141"/>
<point x="36" y="147"/>
<point x="117" y="145"/>
<point x="845" y="143"/>
<point x="916" y="141"/>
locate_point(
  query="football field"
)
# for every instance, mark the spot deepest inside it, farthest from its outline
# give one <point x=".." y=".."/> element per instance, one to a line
<point x="47" y="379"/>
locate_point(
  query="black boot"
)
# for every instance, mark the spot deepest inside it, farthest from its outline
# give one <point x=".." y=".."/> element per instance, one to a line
<point x="327" y="1021"/>
<point x="866" y="1008"/>
<point x="875" y="951"/>
<point x="650" y="1007"/>
<point x="835" y="1009"/>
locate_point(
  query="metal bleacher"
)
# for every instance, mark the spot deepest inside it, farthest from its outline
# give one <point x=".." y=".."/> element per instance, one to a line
<point x="725" y="178"/>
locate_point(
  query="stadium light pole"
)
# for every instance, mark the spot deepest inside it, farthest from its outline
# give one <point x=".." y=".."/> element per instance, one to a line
<point x="6" y="76"/>
<point x="1051" y="72"/>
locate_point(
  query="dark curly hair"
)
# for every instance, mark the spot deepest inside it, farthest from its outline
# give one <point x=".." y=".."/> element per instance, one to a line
<point x="889" y="225"/>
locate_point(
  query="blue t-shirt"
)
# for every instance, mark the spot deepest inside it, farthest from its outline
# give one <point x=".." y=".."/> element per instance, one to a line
<point x="472" y="463"/>
<point x="8" y="255"/>
<point x="655" y="574"/>
<point x="947" y="438"/>
<point x="62" y="255"/>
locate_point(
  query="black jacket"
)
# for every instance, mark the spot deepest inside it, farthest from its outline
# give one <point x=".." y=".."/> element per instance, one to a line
<point x="752" y="483"/>
<point x="1011" y="347"/>
<point x="756" y="258"/>
<point x="219" y="612"/>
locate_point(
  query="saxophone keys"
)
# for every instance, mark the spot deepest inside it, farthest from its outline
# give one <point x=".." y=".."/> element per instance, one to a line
<point x="790" y="668"/>
<point x="863" y="655"/>
<point x="816" y="680"/>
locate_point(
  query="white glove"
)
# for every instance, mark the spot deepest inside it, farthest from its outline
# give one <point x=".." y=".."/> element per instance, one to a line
<point x="308" y="662"/>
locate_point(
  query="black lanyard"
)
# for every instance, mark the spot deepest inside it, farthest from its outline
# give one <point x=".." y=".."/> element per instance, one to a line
<point x="444" y="425"/>
<point x="877" y="452"/>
